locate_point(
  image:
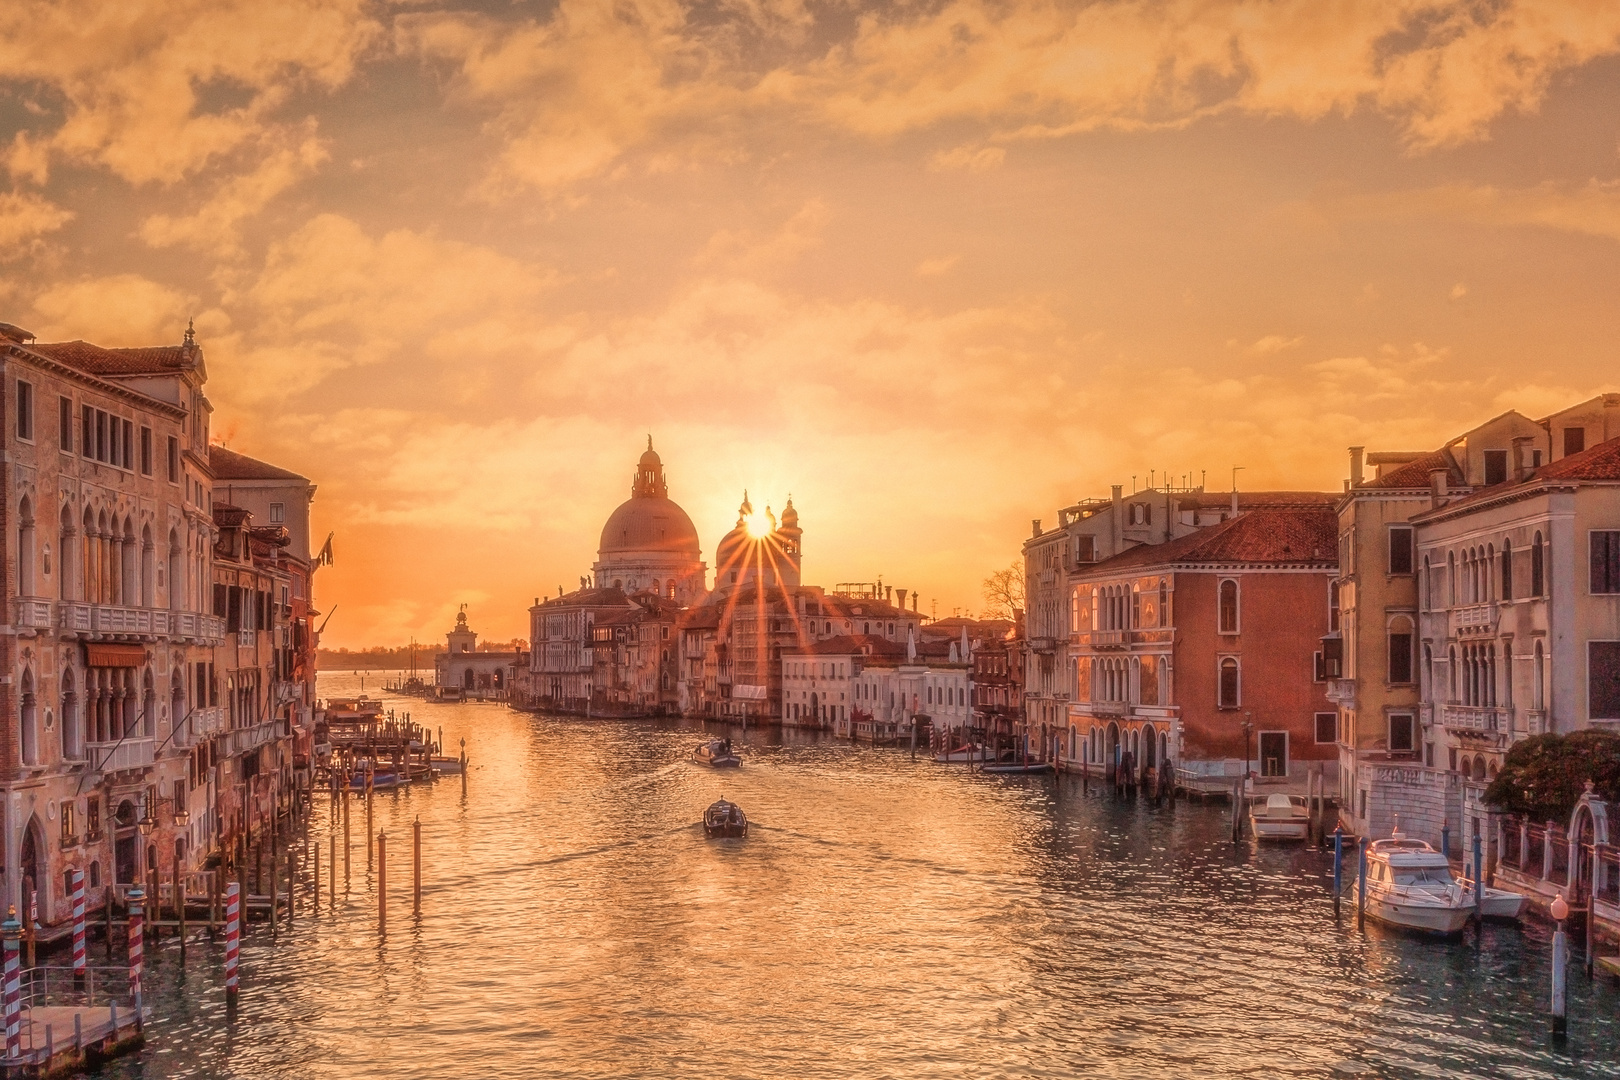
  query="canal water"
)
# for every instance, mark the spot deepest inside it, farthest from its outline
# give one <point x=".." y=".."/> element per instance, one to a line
<point x="884" y="918"/>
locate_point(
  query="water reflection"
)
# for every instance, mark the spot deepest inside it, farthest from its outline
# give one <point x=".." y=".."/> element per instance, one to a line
<point x="884" y="918"/>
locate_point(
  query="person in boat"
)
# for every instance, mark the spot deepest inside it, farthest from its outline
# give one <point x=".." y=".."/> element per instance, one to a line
<point x="725" y="746"/>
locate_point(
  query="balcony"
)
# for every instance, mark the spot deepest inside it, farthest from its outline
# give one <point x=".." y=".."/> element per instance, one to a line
<point x="244" y="740"/>
<point x="1474" y="620"/>
<point x="1110" y="639"/>
<point x="1486" y="719"/>
<point x="1109" y="708"/>
<point x="106" y="622"/>
<point x="1535" y="721"/>
<point x="244" y="639"/>
<point x="32" y="615"/>
<point x="199" y="725"/>
<point x="123" y="755"/>
<point x="1042" y="644"/>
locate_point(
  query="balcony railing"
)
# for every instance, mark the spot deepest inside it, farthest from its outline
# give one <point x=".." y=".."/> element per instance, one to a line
<point x="1474" y="619"/>
<point x="242" y="740"/>
<point x="122" y="623"/>
<point x="244" y="639"/>
<point x="1109" y="708"/>
<point x="1486" y="718"/>
<point x="122" y="755"/>
<point x="1535" y="721"/>
<point x="200" y="724"/>
<point x="1107" y="639"/>
<point x="32" y="615"/>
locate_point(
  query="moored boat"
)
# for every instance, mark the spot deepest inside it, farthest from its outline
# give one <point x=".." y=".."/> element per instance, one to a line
<point x="1498" y="904"/>
<point x="446" y="764"/>
<point x="716" y="753"/>
<point x="725" y="819"/>
<point x="963" y="754"/>
<point x="1409" y="885"/>
<point x="1019" y="767"/>
<point x="1280" y="817"/>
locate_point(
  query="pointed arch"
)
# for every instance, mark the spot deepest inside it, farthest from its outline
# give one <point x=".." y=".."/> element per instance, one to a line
<point x="148" y="577"/>
<point x="28" y="720"/>
<point x="26" y="555"/>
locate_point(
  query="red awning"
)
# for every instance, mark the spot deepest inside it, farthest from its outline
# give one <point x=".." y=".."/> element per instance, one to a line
<point x="115" y="655"/>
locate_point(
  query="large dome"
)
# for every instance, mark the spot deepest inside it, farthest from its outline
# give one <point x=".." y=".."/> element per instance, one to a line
<point x="651" y="524"/>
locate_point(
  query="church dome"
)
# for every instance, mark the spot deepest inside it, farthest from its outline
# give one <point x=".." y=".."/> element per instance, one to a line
<point x="649" y="521"/>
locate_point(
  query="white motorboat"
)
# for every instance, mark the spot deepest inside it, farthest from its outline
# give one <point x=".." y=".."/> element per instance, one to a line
<point x="1498" y="903"/>
<point x="716" y="753"/>
<point x="1409" y="885"/>
<point x="1280" y="817"/>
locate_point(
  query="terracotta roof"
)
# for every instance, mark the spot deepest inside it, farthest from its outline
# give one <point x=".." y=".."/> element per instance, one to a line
<point x="1415" y="474"/>
<point x="1283" y="537"/>
<point x="1255" y="500"/>
<point x="1600" y="462"/>
<point x="848" y="645"/>
<point x="151" y="360"/>
<point x="229" y="465"/>
<point x="589" y="597"/>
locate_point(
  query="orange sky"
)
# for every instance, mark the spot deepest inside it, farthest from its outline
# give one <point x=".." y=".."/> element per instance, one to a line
<point x="933" y="268"/>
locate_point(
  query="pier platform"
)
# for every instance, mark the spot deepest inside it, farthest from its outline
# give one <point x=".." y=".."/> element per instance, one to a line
<point x="60" y="1040"/>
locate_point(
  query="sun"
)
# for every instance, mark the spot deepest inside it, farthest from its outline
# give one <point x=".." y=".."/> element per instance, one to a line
<point x="756" y="526"/>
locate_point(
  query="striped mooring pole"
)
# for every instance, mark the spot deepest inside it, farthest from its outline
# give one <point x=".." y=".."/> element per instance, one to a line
<point x="11" y="932"/>
<point x="137" y="949"/>
<point x="233" y="934"/>
<point x="78" y="924"/>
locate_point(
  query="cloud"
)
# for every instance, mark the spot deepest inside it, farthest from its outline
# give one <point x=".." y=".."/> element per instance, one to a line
<point x="214" y="227"/>
<point x="120" y="309"/>
<point x="971" y="158"/>
<point x="1458" y="291"/>
<point x="24" y="217"/>
<point x="1591" y="209"/>
<point x="571" y="93"/>
<point x="332" y="297"/>
<point x="155" y="90"/>
<point x="1444" y="68"/>
<point x="937" y="267"/>
<point x="1274" y="343"/>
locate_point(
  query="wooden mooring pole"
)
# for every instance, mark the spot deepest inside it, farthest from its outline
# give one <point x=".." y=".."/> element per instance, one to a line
<point x="331" y="871"/>
<point x="416" y="866"/>
<point x="382" y="884"/>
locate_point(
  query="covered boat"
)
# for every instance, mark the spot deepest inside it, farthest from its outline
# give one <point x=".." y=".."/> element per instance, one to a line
<point x="1016" y="767"/>
<point x="1409" y="885"/>
<point x="1280" y="817"/>
<point x="724" y="819"/>
<point x="716" y="753"/>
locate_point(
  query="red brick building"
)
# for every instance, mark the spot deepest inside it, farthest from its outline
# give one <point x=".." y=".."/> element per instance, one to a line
<point x="1202" y="651"/>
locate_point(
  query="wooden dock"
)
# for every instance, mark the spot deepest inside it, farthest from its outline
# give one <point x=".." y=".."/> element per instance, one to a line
<point x="60" y="1040"/>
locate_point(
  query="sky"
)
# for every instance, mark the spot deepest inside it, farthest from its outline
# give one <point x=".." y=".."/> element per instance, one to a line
<point x="935" y="269"/>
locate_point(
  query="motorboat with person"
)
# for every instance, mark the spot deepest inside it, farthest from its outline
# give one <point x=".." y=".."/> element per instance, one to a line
<point x="716" y="753"/>
<point x="724" y="819"/>
<point x="1280" y="817"/>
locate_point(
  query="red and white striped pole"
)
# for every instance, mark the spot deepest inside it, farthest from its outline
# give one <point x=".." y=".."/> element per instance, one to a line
<point x="137" y="947"/>
<point x="11" y="932"/>
<point x="78" y="924"/>
<point x="233" y="933"/>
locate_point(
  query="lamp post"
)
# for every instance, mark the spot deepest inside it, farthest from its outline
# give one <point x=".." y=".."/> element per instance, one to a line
<point x="1560" y="961"/>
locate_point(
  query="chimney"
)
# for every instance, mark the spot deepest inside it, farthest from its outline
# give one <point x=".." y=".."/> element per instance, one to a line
<point x="1234" y="502"/>
<point x="902" y="594"/>
<point x="1035" y="526"/>
<point x="1437" y="486"/>
<point x="914" y="597"/>
<point x="1521" y="457"/>
<point x="1355" y="465"/>
<point x="888" y="594"/>
<point x="1117" y="523"/>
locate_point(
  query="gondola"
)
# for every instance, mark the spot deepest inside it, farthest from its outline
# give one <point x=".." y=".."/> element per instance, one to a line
<point x="725" y="819"/>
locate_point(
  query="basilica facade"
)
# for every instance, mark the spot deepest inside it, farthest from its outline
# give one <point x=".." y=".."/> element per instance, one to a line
<point x="649" y="544"/>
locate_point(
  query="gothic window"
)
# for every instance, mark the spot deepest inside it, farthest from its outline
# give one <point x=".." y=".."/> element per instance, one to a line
<point x="1538" y="583"/>
<point x="1507" y="569"/>
<point x="1229" y="606"/>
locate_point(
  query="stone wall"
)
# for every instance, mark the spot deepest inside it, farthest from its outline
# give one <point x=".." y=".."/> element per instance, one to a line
<point x="1423" y="800"/>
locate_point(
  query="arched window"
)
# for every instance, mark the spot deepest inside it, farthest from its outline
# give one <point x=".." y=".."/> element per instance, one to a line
<point x="1451" y="674"/>
<point x="1451" y="579"/>
<point x="66" y="557"/>
<point x="1164" y="601"/>
<point x="72" y="723"/>
<point x="28" y="722"/>
<point x="1537" y="567"/>
<point x="1229" y="683"/>
<point x="1538" y="689"/>
<point x="177" y="582"/>
<point x="1229" y="606"/>
<point x="1507" y="569"/>
<point x="1428" y="672"/>
<point x="1400" y="650"/>
<point x="1427" y="587"/>
<point x="148" y="567"/>
<point x="25" y="547"/>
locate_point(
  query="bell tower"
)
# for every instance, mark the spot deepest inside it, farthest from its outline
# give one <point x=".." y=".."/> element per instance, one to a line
<point x="462" y="639"/>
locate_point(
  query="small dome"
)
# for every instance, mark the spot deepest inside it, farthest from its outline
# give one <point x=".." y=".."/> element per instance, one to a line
<point x="790" y="516"/>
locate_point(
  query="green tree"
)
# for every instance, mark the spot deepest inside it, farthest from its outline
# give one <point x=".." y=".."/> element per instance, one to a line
<point x="1543" y="777"/>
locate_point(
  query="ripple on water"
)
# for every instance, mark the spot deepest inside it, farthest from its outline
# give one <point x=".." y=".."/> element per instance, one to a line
<point x="885" y="918"/>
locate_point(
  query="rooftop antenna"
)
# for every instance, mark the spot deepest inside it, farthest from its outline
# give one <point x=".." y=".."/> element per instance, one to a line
<point x="1235" y="470"/>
